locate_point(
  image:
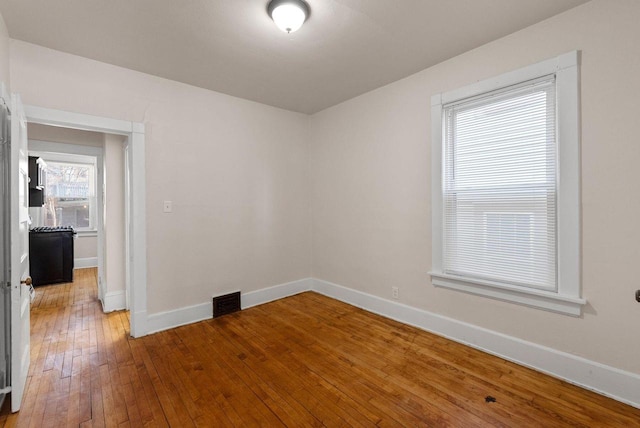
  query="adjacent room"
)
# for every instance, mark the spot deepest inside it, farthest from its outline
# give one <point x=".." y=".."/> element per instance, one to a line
<point x="319" y="213"/>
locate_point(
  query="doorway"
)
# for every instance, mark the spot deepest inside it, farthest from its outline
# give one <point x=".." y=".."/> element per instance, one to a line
<point x="134" y="186"/>
<point x="83" y="180"/>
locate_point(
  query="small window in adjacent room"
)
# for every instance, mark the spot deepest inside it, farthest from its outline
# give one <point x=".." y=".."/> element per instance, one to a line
<point x="70" y="195"/>
<point x="506" y="208"/>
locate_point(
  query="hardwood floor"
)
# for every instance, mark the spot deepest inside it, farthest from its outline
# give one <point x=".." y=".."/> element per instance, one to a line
<point x="302" y="361"/>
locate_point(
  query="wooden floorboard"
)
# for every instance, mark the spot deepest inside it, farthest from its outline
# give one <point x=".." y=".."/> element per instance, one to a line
<point x="303" y="361"/>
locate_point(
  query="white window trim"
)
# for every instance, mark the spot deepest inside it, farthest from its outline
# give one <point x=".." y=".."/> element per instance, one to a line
<point x="567" y="299"/>
<point x="63" y="152"/>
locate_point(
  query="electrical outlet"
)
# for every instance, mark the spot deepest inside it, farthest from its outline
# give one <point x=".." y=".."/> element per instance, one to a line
<point x="167" y="207"/>
<point x="395" y="292"/>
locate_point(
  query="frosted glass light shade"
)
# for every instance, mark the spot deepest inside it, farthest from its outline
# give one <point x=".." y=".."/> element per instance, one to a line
<point x="288" y="15"/>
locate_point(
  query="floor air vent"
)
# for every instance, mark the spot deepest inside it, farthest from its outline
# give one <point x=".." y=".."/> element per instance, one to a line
<point x="226" y="304"/>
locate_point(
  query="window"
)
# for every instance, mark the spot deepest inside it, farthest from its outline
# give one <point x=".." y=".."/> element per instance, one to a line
<point x="506" y="187"/>
<point x="70" y="194"/>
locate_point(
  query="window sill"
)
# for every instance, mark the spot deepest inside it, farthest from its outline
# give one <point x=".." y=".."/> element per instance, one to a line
<point x="540" y="299"/>
<point x="86" y="233"/>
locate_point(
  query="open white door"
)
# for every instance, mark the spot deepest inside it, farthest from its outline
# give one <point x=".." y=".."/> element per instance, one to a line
<point x="20" y="280"/>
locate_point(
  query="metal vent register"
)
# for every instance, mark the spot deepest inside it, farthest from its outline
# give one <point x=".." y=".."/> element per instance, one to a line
<point x="226" y="304"/>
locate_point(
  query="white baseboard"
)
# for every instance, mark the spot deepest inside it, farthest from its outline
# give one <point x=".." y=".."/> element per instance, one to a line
<point x="177" y="317"/>
<point x="265" y="295"/>
<point x="86" y="262"/>
<point x="606" y="380"/>
<point x="190" y="314"/>
<point x="114" y="301"/>
<point x="138" y="324"/>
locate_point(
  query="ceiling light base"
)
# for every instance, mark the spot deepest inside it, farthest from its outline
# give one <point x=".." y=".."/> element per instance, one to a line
<point x="288" y="15"/>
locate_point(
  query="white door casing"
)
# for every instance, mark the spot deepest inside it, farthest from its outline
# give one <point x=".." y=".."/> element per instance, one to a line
<point x="135" y="196"/>
<point x="20" y="292"/>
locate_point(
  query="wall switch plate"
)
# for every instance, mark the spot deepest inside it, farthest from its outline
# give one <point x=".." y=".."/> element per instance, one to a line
<point x="167" y="207"/>
<point x="395" y="292"/>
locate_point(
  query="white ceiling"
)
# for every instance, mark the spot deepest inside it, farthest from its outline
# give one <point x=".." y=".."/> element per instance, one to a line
<point x="346" y="48"/>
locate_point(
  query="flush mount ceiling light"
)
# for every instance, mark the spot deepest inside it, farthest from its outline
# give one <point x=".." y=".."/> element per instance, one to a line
<point x="289" y="15"/>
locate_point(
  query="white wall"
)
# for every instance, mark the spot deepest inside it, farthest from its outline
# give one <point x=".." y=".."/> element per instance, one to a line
<point x="236" y="171"/>
<point x="114" y="218"/>
<point x="85" y="247"/>
<point x="57" y="134"/>
<point x="371" y="185"/>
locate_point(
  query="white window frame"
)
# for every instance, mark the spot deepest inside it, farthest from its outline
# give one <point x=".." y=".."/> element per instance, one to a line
<point x="83" y="161"/>
<point x="71" y="153"/>
<point x="567" y="298"/>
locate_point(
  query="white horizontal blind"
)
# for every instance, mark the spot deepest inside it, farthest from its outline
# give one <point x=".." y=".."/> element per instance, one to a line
<point x="499" y="184"/>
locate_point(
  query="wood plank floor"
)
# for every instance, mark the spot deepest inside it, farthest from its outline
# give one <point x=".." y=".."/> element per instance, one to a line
<point x="302" y="361"/>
